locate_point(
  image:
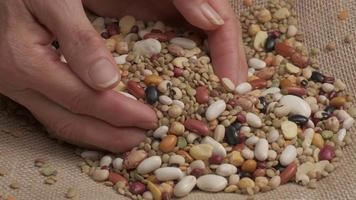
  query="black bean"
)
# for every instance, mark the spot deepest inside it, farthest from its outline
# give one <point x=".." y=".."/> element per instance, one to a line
<point x="262" y="104"/>
<point x="317" y="77"/>
<point x="245" y="175"/>
<point x="298" y="119"/>
<point x="231" y="135"/>
<point x="329" y="109"/>
<point x="270" y="43"/>
<point x="304" y="83"/>
<point x="279" y="167"/>
<point x="134" y="29"/>
<point x="151" y="94"/>
<point x="105" y="35"/>
<point x="237" y="125"/>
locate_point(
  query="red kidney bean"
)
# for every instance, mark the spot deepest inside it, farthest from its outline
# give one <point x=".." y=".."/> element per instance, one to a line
<point x="241" y="118"/>
<point x="112" y="29"/>
<point x="329" y="79"/>
<point x="197" y="172"/>
<point x="288" y="173"/>
<point x="261" y="164"/>
<point x="300" y="60"/>
<point x="259" y="172"/>
<point x="216" y="159"/>
<point x="202" y="94"/>
<point x="296" y="91"/>
<point x="258" y="83"/>
<point x="197" y="127"/>
<point x="137" y="188"/>
<point x="178" y="72"/>
<point x="239" y="147"/>
<point x="284" y="50"/>
<point x="327" y="153"/>
<point x="115" y="177"/>
<point x="135" y="89"/>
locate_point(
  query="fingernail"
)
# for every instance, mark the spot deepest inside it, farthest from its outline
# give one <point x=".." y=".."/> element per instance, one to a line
<point x="211" y="14"/>
<point x="103" y="74"/>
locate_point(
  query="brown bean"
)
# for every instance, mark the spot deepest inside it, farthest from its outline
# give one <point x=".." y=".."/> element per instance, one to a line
<point x="249" y="166"/>
<point x="168" y="143"/>
<point x="153" y="80"/>
<point x="338" y="101"/>
<point x="285" y="83"/>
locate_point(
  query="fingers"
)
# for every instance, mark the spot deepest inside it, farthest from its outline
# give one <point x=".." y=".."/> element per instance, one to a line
<point x="72" y="94"/>
<point x="57" y="82"/>
<point x="224" y="33"/>
<point x="80" y="44"/>
<point x="226" y="49"/>
<point x="78" y="129"/>
<point x="199" y="13"/>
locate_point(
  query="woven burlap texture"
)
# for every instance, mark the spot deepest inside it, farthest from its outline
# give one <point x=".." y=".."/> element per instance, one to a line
<point x="318" y="21"/>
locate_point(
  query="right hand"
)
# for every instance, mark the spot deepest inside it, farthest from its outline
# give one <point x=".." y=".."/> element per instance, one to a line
<point x="73" y="100"/>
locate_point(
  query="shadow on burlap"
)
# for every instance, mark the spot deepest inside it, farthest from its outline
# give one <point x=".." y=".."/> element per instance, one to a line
<point x="317" y="19"/>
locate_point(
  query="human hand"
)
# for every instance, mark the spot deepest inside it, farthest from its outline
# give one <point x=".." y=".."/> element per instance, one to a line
<point x="73" y="100"/>
<point x="215" y="17"/>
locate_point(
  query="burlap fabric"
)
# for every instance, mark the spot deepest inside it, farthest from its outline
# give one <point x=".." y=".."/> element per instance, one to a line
<point x="318" y="20"/>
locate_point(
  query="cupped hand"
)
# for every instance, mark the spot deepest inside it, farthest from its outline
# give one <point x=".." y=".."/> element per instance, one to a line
<point x="72" y="100"/>
<point x="215" y="17"/>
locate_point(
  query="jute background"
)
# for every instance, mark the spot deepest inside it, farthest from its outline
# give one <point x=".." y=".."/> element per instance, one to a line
<point x="318" y="20"/>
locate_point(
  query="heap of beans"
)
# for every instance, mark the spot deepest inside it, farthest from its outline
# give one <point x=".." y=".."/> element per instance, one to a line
<point x="287" y="123"/>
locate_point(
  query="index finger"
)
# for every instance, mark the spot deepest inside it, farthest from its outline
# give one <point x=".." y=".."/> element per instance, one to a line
<point x="226" y="46"/>
<point x="218" y="19"/>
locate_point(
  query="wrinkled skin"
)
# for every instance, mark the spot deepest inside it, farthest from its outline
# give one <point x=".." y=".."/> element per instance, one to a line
<point x="74" y="99"/>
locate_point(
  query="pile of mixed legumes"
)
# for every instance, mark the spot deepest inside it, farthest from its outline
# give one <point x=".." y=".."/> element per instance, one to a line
<point x="287" y="123"/>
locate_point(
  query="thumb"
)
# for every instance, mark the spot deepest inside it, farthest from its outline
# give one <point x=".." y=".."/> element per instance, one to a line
<point x="81" y="45"/>
<point x="199" y="13"/>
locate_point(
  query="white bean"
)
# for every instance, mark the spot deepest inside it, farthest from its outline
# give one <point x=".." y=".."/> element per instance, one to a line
<point x="226" y="170"/>
<point x="288" y="155"/>
<point x="253" y="120"/>
<point x="149" y="164"/>
<point x="261" y="149"/>
<point x="184" y="186"/>
<point x="215" y="110"/>
<point x="211" y="183"/>
<point x="168" y="173"/>
<point x="218" y="149"/>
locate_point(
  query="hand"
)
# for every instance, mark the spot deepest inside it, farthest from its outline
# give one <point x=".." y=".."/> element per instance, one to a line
<point x="73" y="100"/>
<point x="215" y="17"/>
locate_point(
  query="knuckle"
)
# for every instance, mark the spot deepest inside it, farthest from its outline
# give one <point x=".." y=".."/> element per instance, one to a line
<point x="77" y="103"/>
<point x="63" y="129"/>
<point x="85" y="37"/>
